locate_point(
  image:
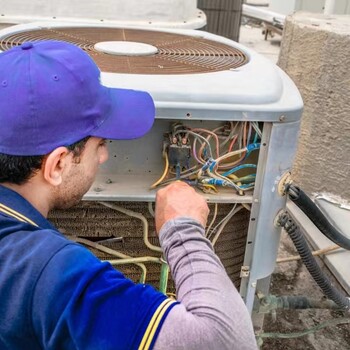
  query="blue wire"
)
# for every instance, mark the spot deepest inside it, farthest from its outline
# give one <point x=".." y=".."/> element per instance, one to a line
<point x="217" y="182"/>
<point x="239" y="167"/>
<point x="247" y="186"/>
<point x="251" y="147"/>
<point x="178" y="171"/>
<point x="250" y="177"/>
<point x="205" y="152"/>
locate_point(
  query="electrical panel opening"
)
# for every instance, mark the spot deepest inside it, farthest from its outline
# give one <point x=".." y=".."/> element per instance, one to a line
<point x="219" y="159"/>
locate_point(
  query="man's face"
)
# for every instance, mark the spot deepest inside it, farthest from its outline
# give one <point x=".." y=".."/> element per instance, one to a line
<point x="80" y="175"/>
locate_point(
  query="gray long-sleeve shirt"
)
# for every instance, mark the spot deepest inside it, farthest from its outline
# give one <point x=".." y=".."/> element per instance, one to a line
<point x="211" y="314"/>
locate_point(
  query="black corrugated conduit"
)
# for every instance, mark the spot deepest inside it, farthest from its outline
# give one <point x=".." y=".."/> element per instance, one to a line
<point x="311" y="210"/>
<point x="296" y="302"/>
<point x="317" y="274"/>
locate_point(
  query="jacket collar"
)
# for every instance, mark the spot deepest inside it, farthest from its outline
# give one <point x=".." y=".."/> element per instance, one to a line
<point x="15" y="206"/>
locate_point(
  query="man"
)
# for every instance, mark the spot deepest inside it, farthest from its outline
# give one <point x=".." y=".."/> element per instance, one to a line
<point x="54" y="294"/>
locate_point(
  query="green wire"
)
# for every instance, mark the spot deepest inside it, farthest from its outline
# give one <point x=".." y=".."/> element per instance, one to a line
<point x="164" y="275"/>
<point x="334" y="322"/>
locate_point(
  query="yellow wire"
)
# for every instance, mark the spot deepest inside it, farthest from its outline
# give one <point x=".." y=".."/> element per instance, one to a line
<point x="211" y="186"/>
<point x="165" y="155"/>
<point x="171" y="295"/>
<point x="234" y="177"/>
<point x="247" y="206"/>
<point x="213" y="219"/>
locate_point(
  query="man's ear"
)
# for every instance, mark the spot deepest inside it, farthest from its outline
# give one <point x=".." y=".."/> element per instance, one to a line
<point x="54" y="165"/>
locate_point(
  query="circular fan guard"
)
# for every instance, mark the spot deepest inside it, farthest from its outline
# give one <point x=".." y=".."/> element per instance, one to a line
<point x="177" y="54"/>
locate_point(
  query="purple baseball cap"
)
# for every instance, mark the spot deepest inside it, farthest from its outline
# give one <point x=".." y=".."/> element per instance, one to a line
<point x="51" y="96"/>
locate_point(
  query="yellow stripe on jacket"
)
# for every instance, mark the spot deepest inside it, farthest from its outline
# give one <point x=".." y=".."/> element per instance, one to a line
<point x="154" y="323"/>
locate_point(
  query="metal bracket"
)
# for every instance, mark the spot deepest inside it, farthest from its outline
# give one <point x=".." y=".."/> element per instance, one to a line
<point x="245" y="270"/>
<point x="285" y="179"/>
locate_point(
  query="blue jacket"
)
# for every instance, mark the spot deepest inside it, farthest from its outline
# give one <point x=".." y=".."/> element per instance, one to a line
<point x="55" y="294"/>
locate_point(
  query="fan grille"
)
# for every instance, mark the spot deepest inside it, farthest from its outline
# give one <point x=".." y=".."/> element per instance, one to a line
<point x="177" y="54"/>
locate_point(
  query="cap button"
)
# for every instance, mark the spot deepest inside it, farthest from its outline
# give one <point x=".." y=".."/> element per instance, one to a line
<point x="27" y="46"/>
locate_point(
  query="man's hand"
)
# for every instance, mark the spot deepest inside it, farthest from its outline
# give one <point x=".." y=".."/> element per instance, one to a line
<point x="179" y="199"/>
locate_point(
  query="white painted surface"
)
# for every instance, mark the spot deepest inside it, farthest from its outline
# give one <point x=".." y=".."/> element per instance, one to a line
<point x="340" y="7"/>
<point x="173" y="13"/>
<point x="125" y="48"/>
<point x="263" y="14"/>
<point x="329" y="7"/>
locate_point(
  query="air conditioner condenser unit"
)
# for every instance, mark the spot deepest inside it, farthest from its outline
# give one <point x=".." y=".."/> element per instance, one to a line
<point x="227" y="122"/>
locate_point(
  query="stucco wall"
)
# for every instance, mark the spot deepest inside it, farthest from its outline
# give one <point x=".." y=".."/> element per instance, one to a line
<point x="315" y="53"/>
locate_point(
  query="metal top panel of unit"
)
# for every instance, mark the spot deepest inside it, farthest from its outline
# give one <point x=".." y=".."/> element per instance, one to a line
<point x="190" y="74"/>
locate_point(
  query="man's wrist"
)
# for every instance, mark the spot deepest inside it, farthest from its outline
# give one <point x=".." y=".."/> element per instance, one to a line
<point x="177" y="225"/>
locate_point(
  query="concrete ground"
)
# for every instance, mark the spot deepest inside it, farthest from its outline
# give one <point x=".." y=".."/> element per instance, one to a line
<point x="251" y="36"/>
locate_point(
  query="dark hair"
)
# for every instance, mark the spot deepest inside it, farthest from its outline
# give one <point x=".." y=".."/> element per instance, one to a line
<point x="19" y="169"/>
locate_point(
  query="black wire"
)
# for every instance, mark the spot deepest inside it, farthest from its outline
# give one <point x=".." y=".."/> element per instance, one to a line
<point x="299" y="197"/>
<point x="317" y="274"/>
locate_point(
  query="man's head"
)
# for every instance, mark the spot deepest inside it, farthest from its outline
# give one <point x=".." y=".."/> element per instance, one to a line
<point x="54" y="114"/>
<point x="19" y="169"/>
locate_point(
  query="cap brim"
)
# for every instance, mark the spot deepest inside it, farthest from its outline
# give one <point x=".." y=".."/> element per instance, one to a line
<point x="131" y="115"/>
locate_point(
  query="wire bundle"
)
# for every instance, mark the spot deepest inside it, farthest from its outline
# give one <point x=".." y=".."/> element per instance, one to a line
<point x="216" y="156"/>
